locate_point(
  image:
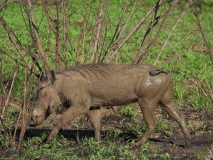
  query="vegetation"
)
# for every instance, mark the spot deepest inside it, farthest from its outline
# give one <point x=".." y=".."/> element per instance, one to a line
<point x="44" y="35"/>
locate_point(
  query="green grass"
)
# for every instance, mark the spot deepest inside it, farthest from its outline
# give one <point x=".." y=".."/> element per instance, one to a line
<point x="91" y="150"/>
<point x="130" y="112"/>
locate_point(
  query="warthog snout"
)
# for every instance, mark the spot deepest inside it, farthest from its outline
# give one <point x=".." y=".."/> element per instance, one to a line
<point x="38" y="116"/>
<point x="35" y="121"/>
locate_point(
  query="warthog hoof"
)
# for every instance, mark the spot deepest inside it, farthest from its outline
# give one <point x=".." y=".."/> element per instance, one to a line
<point x="53" y="134"/>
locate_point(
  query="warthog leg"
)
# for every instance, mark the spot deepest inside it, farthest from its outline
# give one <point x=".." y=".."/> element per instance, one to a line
<point x="168" y="106"/>
<point x="95" y="117"/>
<point x="148" y="114"/>
<point x="166" y="102"/>
<point x="175" y="114"/>
<point x="71" y="113"/>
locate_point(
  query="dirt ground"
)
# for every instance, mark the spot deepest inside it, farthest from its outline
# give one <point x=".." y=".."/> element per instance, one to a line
<point x="200" y="126"/>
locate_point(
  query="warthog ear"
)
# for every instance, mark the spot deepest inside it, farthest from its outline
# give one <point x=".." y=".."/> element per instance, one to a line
<point x="42" y="77"/>
<point x="51" y="76"/>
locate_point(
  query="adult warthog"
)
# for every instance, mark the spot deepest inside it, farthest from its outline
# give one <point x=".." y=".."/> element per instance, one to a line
<point x="87" y="87"/>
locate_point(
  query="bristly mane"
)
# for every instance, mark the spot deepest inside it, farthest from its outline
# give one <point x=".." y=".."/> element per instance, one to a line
<point x="88" y="69"/>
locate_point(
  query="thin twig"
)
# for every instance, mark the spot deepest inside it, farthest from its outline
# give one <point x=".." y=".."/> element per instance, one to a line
<point x="148" y="33"/>
<point x="170" y="33"/>
<point x="3" y="114"/>
<point x="65" y="32"/>
<point x="117" y="32"/>
<point x="3" y="5"/>
<point x="37" y="37"/>
<point x="150" y="46"/>
<point x="24" y="118"/>
<point x="208" y="45"/>
<point x="55" y="30"/>
<point x="13" y="40"/>
<point x="12" y="58"/>
<point x="98" y="35"/>
<point x="8" y="97"/>
<point x="118" y="37"/>
<point x="66" y="24"/>
<point x="111" y="54"/>
<point x="105" y="28"/>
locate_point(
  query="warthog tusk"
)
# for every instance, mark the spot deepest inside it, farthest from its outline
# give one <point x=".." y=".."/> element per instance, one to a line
<point x="51" y="109"/>
<point x="34" y="114"/>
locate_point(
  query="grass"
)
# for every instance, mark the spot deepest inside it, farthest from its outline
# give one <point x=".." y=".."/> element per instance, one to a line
<point x="184" y="57"/>
<point x="91" y="150"/>
<point x="130" y="112"/>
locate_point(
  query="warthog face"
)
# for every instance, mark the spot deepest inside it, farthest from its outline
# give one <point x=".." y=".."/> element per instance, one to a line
<point x="44" y="103"/>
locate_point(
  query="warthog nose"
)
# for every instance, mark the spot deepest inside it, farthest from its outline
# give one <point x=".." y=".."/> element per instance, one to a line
<point x="36" y="114"/>
<point x="32" y="122"/>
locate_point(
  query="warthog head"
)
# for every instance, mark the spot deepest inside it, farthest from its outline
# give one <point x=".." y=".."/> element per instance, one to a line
<point x="46" y="101"/>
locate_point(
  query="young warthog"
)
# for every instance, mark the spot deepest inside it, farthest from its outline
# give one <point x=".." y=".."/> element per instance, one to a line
<point x="87" y="87"/>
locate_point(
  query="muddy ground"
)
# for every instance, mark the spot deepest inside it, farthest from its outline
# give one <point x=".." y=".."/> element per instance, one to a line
<point x="169" y="138"/>
<point x="200" y="126"/>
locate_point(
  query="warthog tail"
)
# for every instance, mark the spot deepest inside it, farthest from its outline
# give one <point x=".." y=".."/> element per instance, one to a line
<point x="157" y="71"/>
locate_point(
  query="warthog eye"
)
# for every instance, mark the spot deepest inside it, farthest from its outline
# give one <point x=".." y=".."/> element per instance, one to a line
<point x="41" y="88"/>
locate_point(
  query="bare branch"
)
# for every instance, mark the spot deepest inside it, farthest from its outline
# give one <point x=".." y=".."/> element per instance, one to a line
<point x="208" y="45"/>
<point x="55" y="29"/>
<point x="118" y="31"/>
<point x="170" y="33"/>
<point x="24" y="112"/>
<point x="3" y="5"/>
<point x="65" y="30"/>
<point x="8" y="97"/>
<point x="13" y="40"/>
<point x="103" y="32"/>
<point x="37" y="38"/>
<point x="150" y="46"/>
<point x="98" y="23"/>
<point x="111" y="54"/>
<point x="148" y="33"/>
<point x="66" y="24"/>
